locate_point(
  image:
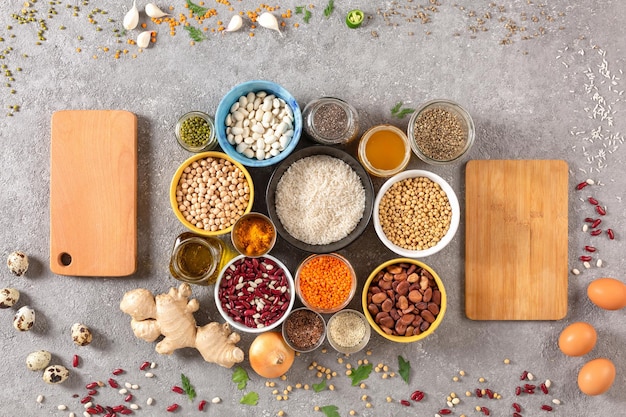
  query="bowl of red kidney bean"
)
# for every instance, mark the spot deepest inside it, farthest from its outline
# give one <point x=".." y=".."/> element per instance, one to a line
<point x="254" y="295"/>
<point x="404" y="300"/>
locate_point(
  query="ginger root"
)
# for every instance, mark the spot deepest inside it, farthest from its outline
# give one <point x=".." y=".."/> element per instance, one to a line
<point x="171" y="315"/>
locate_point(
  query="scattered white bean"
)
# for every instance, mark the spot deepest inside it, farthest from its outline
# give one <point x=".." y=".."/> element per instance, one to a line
<point x="216" y="400"/>
<point x="87" y="405"/>
<point x="86" y="414"/>
<point x="135" y="386"/>
<point x="123" y="391"/>
<point x="599" y="263"/>
<point x="134" y="406"/>
<point x="548" y="383"/>
<point x="585" y="227"/>
<point x="61" y="407"/>
<point x="450" y="404"/>
<point x="556" y="401"/>
<point x="575" y="271"/>
<point x="40" y="399"/>
<point x="71" y="415"/>
<point x="128" y="385"/>
<point x="586" y="264"/>
<point x="456" y="401"/>
<point x="530" y="376"/>
<point x="153" y="365"/>
<point x="590" y="181"/>
<point x="149" y="401"/>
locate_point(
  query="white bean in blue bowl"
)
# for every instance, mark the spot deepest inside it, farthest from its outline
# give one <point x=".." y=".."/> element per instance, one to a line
<point x="258" y="123"/>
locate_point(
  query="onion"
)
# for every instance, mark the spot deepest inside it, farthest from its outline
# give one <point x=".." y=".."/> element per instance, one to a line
<point x="270" y="356"/>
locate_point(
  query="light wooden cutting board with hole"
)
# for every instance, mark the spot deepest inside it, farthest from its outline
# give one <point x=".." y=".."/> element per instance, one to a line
<point x="516" y="265"/>
<point x="93" y="193"/>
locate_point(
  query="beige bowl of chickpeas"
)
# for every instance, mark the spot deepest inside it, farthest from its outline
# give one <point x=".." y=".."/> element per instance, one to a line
<point x="210" y="192"/>
<point x="416" y="213"/>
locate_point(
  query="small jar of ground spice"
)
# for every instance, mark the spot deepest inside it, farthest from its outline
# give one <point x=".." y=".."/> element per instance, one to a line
<point x="253" y="235"/>
<point x="304" y="330"/>
<point x="330" y="121"/>
<point x="348" y="331"/>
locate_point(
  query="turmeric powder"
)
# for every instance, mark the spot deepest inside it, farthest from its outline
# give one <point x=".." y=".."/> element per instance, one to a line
<point x="254" y="235"/>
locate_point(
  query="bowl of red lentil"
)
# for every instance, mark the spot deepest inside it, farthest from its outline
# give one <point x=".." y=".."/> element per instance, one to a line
<point x="325" y="283"/>
<point x="209" y="192"/>
<point x="404" y="300"/>
<point x="416" y="213"/>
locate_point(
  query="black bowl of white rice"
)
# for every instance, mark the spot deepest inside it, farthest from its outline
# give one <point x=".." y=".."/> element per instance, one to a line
<point x="320" y="198"/>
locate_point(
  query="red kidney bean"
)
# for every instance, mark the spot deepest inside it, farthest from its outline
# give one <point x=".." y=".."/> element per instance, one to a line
<point x="478" y="392"/>
<point x="589" y="219"/>
<point x="585" y="258"/>
<point x="99" y="408"/>
<point x="596" y="223"/>
<point x="178" y="389"/>
<point x="113" y="383"/>
<point x="445" y="411"/>
<point x="405" y="403"/>
<point x="600" y="210"/>
<point x="126" y="411"/>
<point x="118" y="408"/>
<point x="92" y="392"/>
<point x="172" y="408"/>
<point x="92" y="410"/>
<point x="128" y="398"/>
<point x="91" y="385"/>
<point x="201" y="405"/>
<point x="85" y="400"/>
<point x="489" y="393"/>
<point x="610" y="233"/>
<point x="417" y="396"/>
<point x="144" y="366"/>
<point x="517" y="415"/>
<point x="517" y="407"/>
<point x="593" y="201"/>
<point x="596" y="232"/>
<point x="524" y="374"/>
<point x="75" y="361"/>
<point x="485" y="411"/>
<point x="544" y="388"/>
<point x="581" y="185"/>
<point x="118" y="371"/>
<point x="518" y="390"/>
<point x="590" y="249"/>
<point x="546" y="407"/>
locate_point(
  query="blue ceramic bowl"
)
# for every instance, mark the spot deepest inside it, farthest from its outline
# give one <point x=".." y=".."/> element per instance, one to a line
<point x="223" y="109"/>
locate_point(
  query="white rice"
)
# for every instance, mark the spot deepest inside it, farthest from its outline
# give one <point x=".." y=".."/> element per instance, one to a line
<point x="320" y="200"/>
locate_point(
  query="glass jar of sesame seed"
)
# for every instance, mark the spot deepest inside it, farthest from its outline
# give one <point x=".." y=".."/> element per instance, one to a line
<point x="330" y="121"/>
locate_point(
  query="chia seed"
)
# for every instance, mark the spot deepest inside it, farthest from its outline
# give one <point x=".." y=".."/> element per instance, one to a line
<point x="303" y="329"/>
<point x="330" y="120"/>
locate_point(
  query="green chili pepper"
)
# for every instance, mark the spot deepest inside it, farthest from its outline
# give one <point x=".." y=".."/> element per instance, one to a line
<point x="354" y="18"/>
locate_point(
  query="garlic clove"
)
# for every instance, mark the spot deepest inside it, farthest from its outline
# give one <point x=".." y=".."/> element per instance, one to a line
<point x="131" y="19"/>
<point x="152" y="10"/>
<point x="235" y="23"/>
<point x="143" y="39"/>
<point x="269" y="21"/>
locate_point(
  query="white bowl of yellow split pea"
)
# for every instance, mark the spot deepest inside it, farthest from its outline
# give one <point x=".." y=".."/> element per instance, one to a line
<point x="422" y="225"/>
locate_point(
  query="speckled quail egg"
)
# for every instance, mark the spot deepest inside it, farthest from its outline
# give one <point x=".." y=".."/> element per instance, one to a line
<point x="8" y="297"/>
<point x="18" y="263"/>
<point x="55" y="374"/>
<point x="38" y="360"/>
<point x="81" y="334"/>
<point x="24" y="319"/>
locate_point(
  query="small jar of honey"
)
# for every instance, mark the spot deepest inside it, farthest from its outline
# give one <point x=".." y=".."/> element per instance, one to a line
<point x="198" y="259"/>
<point x="384" y="150"/>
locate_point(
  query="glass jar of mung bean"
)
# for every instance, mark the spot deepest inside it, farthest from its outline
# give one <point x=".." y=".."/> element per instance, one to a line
<point x="195" y="132"/>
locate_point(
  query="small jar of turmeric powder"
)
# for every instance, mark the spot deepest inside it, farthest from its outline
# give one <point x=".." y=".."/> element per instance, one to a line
<point x="253" y="235"/>
<point x="325" y="283"/>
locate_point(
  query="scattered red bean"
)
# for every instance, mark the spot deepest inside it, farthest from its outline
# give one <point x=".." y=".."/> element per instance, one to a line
<point x="91" y="385"/>
<point x="581" y="185"/>
<point x="417" y="396"/>
<point x="99" y="408"/>
<point x="92" y="392"/>
<point x="589" y="219"/>
<point x="485" y="410"/>
<point x="92" y="410"/>
<point x="600" y="210"/>
<point x="478" y="392"/>
<point x="610" y="233"/>
<point x="172" y="408"/>
<point x="113" y="383"/>
<point x="596" y="232"/>
<point x="144" y="366"/>
<point x="128" y="398"/>
<point x="178" y="389"/>
<point x="118" y="408"/>
<point x="544" y="388"/>
<point x="590" y="248"/>
<point x="201" y="405"/>
<point x="546" y="408"/>
<point x="85" y="400"/>
<point x="405" y="403"/>
<point x="489" y="393"/>
<point x="596" y="223"/>
<point x="118" y="371"/>
<point x="126" y="411"/>
<point x="517" y="407"/>
<point x="445" y="411"/>
<point x="593" y="201"/>
<point x="75" y="361"/>
<point x="585" y="258"/>
<point x="518" y="390"/>
<point x="525" y="373"/>
<point x="517" y="415"/>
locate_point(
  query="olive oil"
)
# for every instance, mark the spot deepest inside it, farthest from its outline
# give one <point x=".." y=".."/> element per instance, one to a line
<point x="198" y="259"/>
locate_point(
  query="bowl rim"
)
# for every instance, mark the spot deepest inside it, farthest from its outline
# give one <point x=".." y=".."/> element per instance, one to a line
<point x="471" y="131"/>
<point x="239" y="326"/>
<point x="288" y="341"/>
<point x="176" y="178"/>
<point x="360" y="346"/>
<point x="353" y="283"/>
<point x="405" y="339"/>
<point x="315" y="150"/>
<point x="223" y="108"/>
<point x="454" y="221"/>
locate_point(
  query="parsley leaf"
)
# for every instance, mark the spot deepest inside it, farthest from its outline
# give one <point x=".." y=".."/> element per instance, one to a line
<point x="197" y="10"/>
<point x="240" y="377"/>
<point x="320" y="387"/>
<point x="361" y="373"/>
<point x="404" y="368"/>
<point x="251" y="398"/>
<point x="399" y="112"/>
<point x="195" y="33"/>
<point x="303" y="10"/>
<point x="329" y="8"/>
<point x="330" y="411"/>
<point x="189" y="390"/>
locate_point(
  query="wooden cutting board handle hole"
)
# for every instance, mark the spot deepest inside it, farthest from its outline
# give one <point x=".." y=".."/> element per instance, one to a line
<point x="65" y="259"/>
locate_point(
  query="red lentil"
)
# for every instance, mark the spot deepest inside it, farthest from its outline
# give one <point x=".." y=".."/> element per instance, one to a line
<point x="325" y="282"/>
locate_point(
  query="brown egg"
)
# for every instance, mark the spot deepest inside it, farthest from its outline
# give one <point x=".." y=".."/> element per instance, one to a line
<point x="596" y="376"/>
<point x="577" y="339"/>
<point x="607" y="293"/>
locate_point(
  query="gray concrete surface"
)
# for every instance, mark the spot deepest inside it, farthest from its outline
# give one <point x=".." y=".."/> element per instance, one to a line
<point x="538" y="94"/>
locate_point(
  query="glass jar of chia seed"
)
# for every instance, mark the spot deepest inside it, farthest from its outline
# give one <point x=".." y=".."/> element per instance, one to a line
<point x="330" y="121"/>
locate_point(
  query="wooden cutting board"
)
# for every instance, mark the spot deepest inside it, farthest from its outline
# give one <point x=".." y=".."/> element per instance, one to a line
<point x="93" y="193"/>
<point x="516" y="240"/>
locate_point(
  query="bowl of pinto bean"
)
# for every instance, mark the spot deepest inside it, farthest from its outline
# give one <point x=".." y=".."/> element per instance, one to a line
<point x="404" y="300"/>
<point x="254" y="295"/>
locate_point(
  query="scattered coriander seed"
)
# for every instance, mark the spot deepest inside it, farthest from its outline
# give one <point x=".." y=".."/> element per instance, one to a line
<point x="462" y="373"/>
<point x="455" y="379"/>
<point x="389" y="399"/>
<point x="507" y="361"/>
<point x="481" y="379"/>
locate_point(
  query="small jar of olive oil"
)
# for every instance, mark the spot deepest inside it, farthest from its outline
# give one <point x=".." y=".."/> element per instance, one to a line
<point x="198" y="259"/>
